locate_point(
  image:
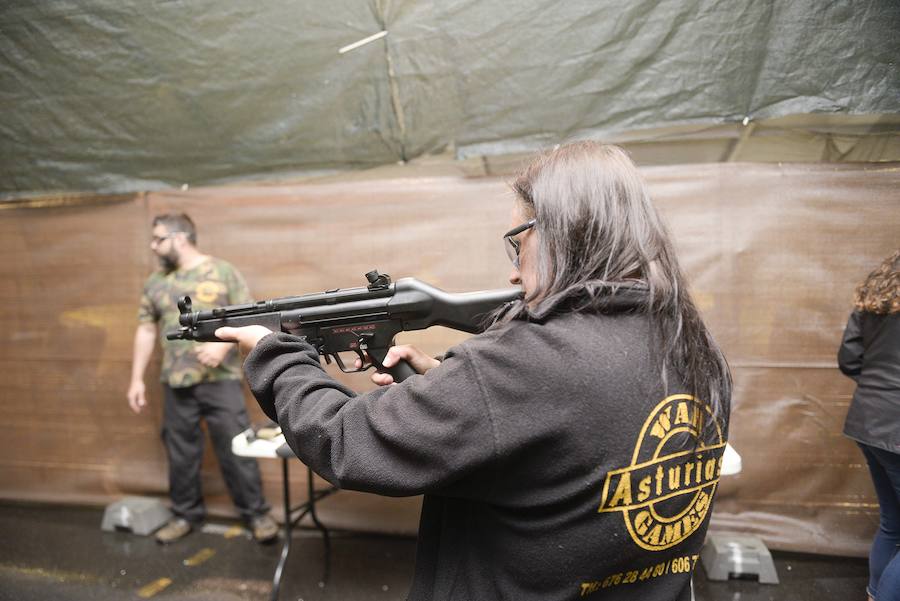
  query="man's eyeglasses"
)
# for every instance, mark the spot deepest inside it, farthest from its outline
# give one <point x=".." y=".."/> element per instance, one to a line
<point x="155" y="240"/>
<point x="512" y="244"/>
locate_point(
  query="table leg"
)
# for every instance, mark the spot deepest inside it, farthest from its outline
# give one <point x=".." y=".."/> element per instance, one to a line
<point x="321" y="527"/>
<point x="286" y="549"/>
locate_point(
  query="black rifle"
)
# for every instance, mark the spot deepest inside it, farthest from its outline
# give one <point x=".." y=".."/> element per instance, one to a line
<point x="361" y="320"/>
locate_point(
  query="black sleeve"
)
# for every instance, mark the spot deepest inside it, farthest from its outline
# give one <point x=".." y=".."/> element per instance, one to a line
<point x="425" y="434"/>
<point x="850" y="355"/>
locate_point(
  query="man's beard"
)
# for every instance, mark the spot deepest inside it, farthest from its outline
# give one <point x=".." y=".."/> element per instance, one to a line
<point x="169" y="261"/>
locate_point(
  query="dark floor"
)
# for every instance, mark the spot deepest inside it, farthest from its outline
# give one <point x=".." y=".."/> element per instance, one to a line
<point x="53" y="552"/>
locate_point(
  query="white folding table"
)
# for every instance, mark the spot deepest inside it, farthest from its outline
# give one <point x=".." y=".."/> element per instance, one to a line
<point x="247" y="444"/>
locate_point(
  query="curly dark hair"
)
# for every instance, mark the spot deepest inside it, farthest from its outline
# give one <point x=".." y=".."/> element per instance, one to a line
<point x="880" y="292"/>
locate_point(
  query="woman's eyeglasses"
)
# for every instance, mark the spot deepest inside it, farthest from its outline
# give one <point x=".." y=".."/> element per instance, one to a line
<point x="512" y="244"/>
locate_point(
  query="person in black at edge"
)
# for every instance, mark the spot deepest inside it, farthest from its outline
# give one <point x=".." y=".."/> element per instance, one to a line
<point x="573" y="449"/>
<point x="870" y="354"/>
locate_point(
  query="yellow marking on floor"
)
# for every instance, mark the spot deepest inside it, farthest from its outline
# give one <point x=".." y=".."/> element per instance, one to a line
<point x="145" y="592"/>
<point x="233" y="532"/>
<point x="199" y="557"/>
<point x="58" y="575"/>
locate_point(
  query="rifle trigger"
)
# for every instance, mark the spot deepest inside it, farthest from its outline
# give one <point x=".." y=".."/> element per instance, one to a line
<point x="343" y="367"/>
<point x="362" y="359"/>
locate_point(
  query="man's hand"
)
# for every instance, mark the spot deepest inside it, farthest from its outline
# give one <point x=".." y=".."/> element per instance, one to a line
<point x="418" y="360"/>
<point x="137" y="398"/>
<point x="246" y="337"/>
<point x="211" y="354"/>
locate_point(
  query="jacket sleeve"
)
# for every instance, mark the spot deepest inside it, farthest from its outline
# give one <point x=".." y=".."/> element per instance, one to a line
<point x="426" y="434"/>
<point x="850" y="354"/>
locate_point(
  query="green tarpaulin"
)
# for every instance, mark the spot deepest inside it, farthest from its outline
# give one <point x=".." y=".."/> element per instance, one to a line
<point x="125" y="95"/>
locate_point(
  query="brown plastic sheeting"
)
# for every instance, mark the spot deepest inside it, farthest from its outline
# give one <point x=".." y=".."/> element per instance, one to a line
<point x="773" y="253"/>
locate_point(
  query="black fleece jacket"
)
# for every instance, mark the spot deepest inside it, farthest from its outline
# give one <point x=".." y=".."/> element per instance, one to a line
<point x="553" y="463"/>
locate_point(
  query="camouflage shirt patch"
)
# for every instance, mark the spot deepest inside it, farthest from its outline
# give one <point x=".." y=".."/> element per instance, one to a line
<point x="212" y="283"/>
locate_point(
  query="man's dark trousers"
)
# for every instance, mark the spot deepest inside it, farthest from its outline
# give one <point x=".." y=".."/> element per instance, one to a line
<point x="221" y="404"/>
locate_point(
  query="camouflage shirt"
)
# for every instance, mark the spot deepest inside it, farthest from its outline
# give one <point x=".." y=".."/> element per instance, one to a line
<point x="210" y="284"/>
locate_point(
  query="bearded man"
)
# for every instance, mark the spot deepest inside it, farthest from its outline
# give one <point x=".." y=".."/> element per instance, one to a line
<point x="200" y="381"/>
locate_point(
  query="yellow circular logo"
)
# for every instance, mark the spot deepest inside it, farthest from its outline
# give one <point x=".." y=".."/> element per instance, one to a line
<point x="666" y="491"/>
<point x="208" y="292"/>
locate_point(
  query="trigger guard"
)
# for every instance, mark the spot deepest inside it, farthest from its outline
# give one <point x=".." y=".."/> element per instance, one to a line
<point x="343" y="367"/>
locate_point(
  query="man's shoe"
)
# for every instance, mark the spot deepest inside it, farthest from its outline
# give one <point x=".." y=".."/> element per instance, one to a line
<point x="264" y="528"/>
<point x="176" y="528"/>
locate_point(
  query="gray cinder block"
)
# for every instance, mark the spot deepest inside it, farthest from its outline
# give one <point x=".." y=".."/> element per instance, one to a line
<point x="727" y="555"/>
<point x="140" y="515"/>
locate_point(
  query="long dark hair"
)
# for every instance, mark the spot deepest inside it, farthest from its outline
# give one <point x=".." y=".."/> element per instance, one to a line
<point x="598" y="234"/>
<point x="880" y="292"/>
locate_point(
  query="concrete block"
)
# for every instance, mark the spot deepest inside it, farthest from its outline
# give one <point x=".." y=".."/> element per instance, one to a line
<point x="140" y="515"/>
<point x="728" y="555"/>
